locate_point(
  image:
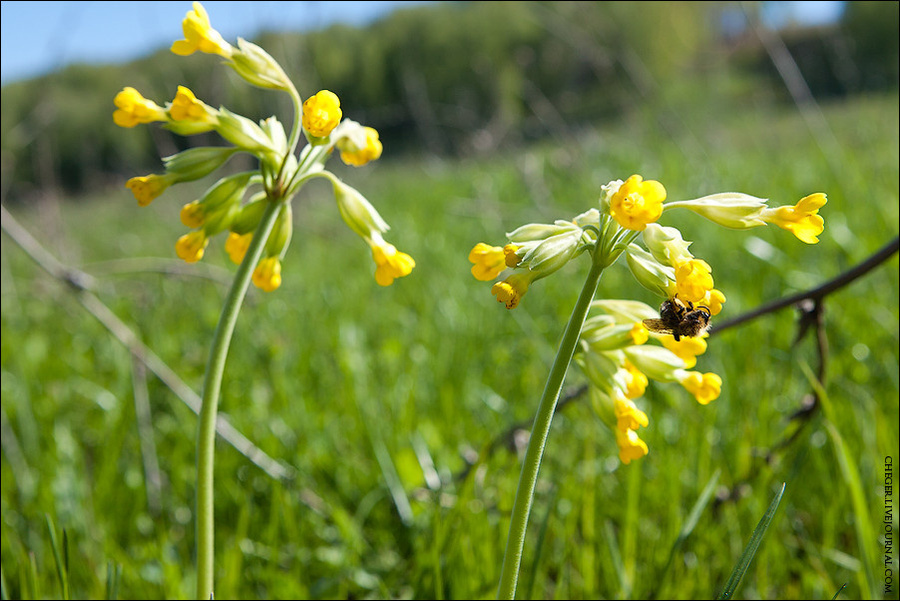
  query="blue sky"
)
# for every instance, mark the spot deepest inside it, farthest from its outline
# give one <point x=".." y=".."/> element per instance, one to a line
<point x="38" y="37"/>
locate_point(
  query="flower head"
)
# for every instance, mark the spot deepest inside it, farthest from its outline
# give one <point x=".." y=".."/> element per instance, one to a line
<point x="186" y="107"/>
<point x="511" y="290"/>
<point x="488" y="261"/>
<point x="705" y="387"/>
<point x="192" y="214"/>
<point x="236" y="246"/>
<point x="147" y="187"/>
<point x="802" y="219"/>
<point x="200" y="35"/>
<point x="637" y="203"/>
<point x="321" y="113"/>
<point x="360" y="155"/>
<point x="191" y="246"/>
<point x="267" y="275"/>
<point x="687" y="348"/>
<point x="693" y="280"/>
<point x="132" y="109"/>
<point x="631" y="447"/>
<point x="389" y="262"/>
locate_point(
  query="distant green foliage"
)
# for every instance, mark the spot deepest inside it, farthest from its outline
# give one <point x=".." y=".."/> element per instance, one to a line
<point x="449" y="79"/>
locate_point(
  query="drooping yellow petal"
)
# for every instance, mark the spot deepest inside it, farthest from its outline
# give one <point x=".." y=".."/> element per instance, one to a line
<point x="488" y="261"/>
<point x="390" y="263"/>
<point x="511" y="290"/>
<point x="186" y="107"/>
<point x="628" y="416"/>
<point x="267" y="275"/>
<point x="132" y="109"/>
<point x="147" y="187"/>
<point x="631" y="447"/>
<point x="191" y="246"/>
<point x="802" y="219"/>
<point x="687" y="348"/>
<point x="705" y="387"/>
<point x="236" y="246"/>
<point x="192" y="214"/>
<point x="200" y="35"/>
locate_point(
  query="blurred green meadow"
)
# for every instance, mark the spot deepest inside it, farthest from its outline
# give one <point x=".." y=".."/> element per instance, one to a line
<point x="396" y="407"/>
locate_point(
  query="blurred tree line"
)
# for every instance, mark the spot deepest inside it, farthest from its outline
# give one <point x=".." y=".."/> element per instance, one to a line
<point x="453" y="78"/>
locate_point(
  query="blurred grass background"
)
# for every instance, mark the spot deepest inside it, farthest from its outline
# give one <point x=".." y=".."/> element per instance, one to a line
<point x="493" y="115"/>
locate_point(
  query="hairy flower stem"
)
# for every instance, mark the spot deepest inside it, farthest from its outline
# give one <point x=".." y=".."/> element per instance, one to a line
<point x="525" y="493"/>
<point x="212" y="384"/>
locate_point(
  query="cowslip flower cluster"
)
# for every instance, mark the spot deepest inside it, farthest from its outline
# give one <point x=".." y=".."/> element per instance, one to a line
<point x="612" y="349"/>
<point x="236" y="203"/>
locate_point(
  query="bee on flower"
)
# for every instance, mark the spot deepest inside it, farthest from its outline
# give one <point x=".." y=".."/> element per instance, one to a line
<point x="631" y="342"/>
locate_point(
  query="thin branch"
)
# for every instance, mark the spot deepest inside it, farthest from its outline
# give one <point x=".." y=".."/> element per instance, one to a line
<point x="83" y="284"/>
<point x="816" y="294"/>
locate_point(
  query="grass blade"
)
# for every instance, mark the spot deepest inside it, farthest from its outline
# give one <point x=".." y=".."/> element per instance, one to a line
<point x="750" y="550"/>
<point x="112" y="580"/>
<point x="60" y="556"/>
<point x="689" y="524"/>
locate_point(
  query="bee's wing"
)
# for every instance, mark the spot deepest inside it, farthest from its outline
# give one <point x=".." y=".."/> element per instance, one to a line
<point x="658" y="326"/>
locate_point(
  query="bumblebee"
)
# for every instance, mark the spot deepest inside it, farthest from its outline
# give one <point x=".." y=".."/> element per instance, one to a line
<point x="680" y="319"/>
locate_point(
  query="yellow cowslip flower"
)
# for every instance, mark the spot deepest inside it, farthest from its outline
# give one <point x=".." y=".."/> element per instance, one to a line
<point x="190" y="247"/>
<point x="186" y="107"/>
<point x="636" y="381"/>
<point x="488" y="261"/>
<point x="147" y="187"/>
<point x="802" y="219"/>
<point x="511" y="258"/>
<point x="637" y="203"/>
<point x="236" y="246"/>
<point x="322" y="113"/>
<point x="713" y="300"/>
<point x="511" y="290"/>
<point x="192" y="214"/>
<point x="693" y="279"/>
<point x="132" y="109"/>
<point x="705" y="387"/>
<point x="687" y="348"/>
<point x="639" y="333"/>
<point x="631" y="447"/>
<point x="389" y="262"/>
<point x="358" y="157"/>
<point x="267" y="275"/>
<point x="200" y="35"/>
<point x="628" y="416"/>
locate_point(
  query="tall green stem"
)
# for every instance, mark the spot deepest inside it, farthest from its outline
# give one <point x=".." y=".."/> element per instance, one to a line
<point x="525" y="493"/>
<point x="212" y="384"/>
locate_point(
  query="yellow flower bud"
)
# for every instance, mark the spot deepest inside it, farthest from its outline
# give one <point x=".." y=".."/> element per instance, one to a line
<point x="389" y="262"/>
<point x="192" y="214"/>
<point x="199" y="35"/>
<point x="321" y="113"/>
<point x="511" y="290"/>
<point x="190" y="247"/>
<point x="132" y="109"/>
<point x="359" y="156"/>
<point x="488" y="261"/>
<point x="186" y="107"/>
<point x="631" y="447"/>
<point x="705" y="387"/>
<point x="147" y="187"/>
<point x="267" y="275"/>
<point x="236" y="246"/>
<point x="637" y="203"/>
<point x="628" y="416"/>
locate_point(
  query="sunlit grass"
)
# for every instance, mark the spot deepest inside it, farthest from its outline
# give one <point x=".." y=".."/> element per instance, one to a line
<point x="355" y="385"/>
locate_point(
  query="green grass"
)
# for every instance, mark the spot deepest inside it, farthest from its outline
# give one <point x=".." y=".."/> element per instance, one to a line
<point x="358" y="387"/>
